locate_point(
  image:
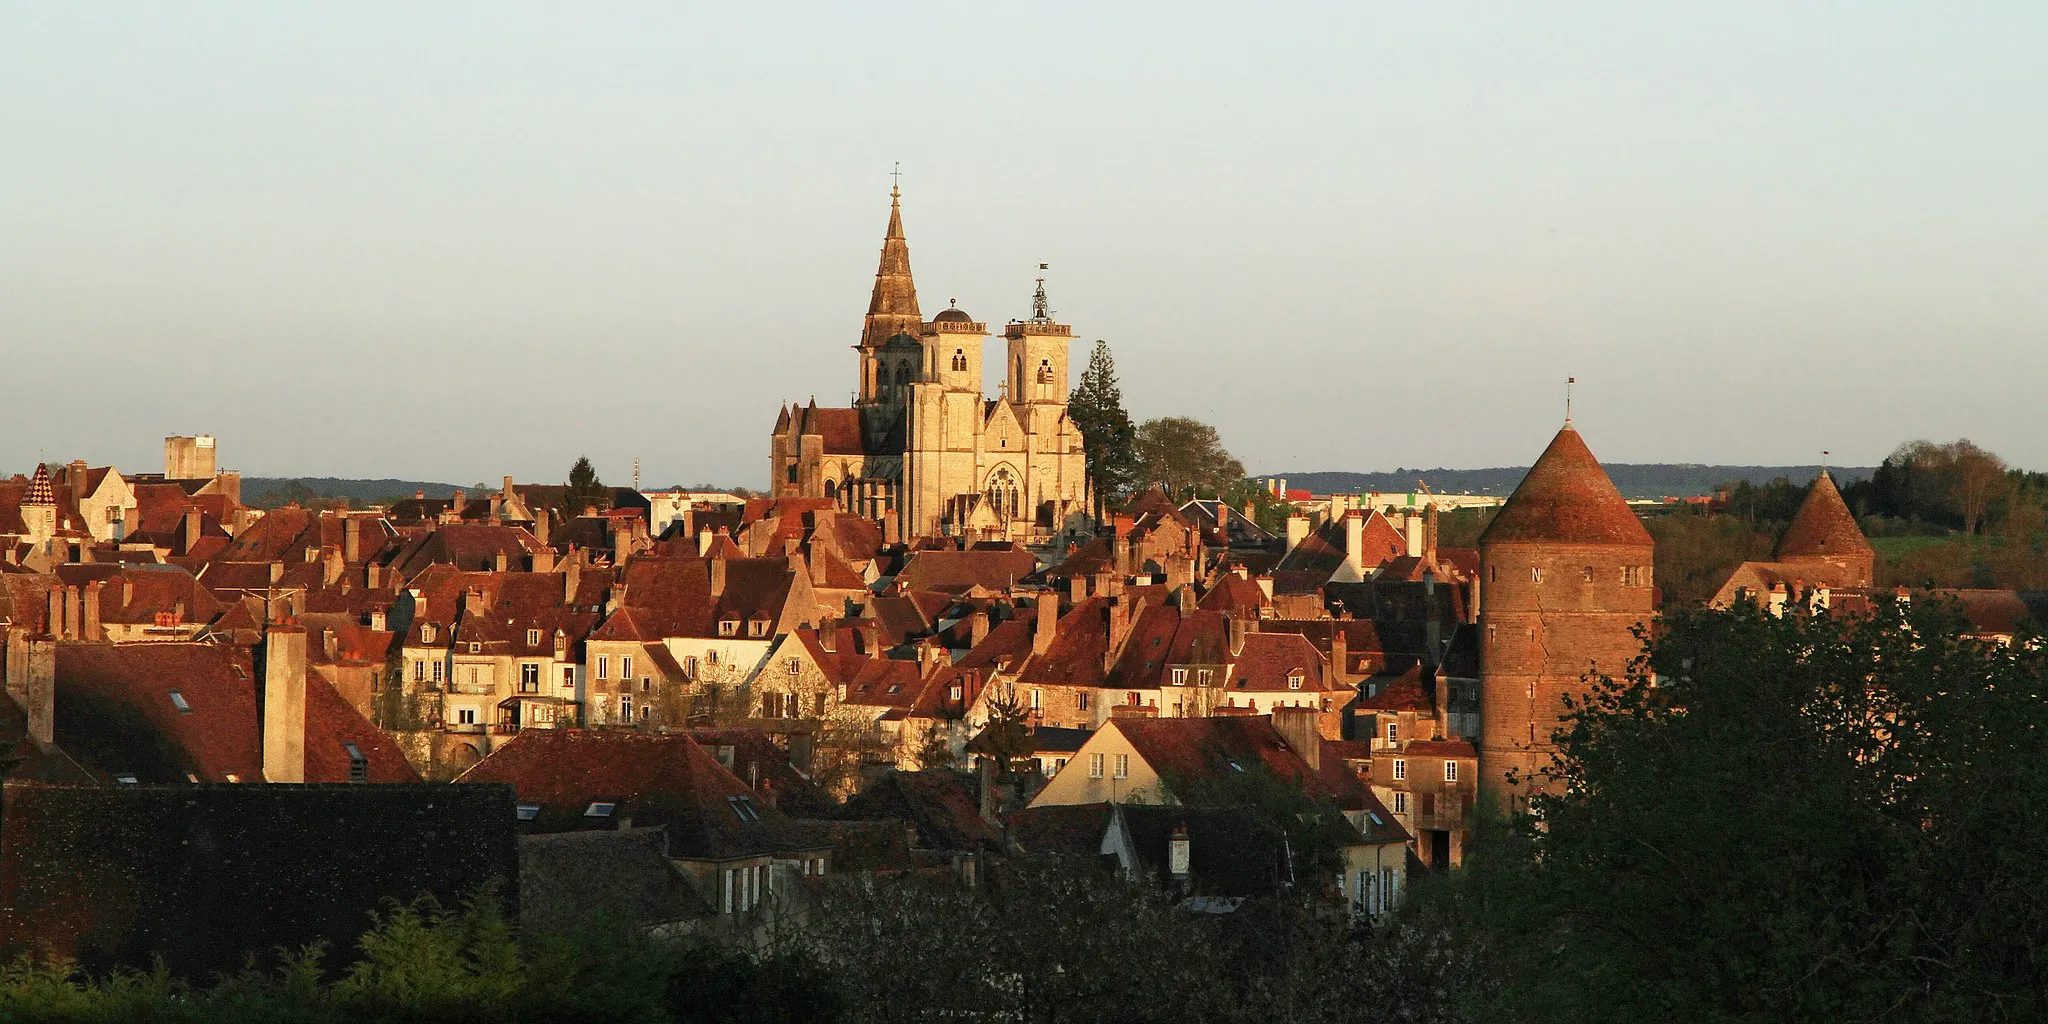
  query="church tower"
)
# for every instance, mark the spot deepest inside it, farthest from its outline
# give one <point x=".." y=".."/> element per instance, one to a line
<point x="1565" y="570"/>
<point x="39" y="509"/>
<point x="1038" y="354"/>
<point x="890" y="354"/>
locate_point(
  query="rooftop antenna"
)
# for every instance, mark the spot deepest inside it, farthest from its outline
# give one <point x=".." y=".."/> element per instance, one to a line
<point x="1568" y="382"/>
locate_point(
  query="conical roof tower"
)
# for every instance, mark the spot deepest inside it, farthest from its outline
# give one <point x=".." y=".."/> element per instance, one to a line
<point x="39" y="490"/>
<point x="892" y="309"/>
<point x="1823" y="526"/>
<point x="1566" y="499"/>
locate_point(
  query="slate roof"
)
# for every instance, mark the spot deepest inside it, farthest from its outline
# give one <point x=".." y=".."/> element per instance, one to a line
<point x="1566" y="498"/>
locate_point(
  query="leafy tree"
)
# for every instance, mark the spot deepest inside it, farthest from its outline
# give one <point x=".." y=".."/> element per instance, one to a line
<point x="1768" y="819"/>
<point x="1097" y="408"/>
<point x="1006" y="738"/>
<point x="585" y="491"/>
<point x="1185" y="457"/>
<point x="1264" y="507"/>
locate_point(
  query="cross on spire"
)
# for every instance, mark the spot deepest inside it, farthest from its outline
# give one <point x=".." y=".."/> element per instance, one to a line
<point x="1568" y="382"/>
<point x="896" y="180"/>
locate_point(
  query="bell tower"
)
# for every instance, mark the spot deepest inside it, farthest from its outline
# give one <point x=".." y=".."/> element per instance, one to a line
<point x="1037" y="364"/>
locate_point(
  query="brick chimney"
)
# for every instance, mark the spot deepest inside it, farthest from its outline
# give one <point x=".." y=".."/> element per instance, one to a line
<point x="42" y="691"/>
<point x="1048" y="612"/>
<point x="284" y="704"/>
<point x="977" y="629"/>
<point x="72" y="611"/>
<point x="572" y="578"/>
<point x="89" y="627"/>
<point x="717" y="577"/>
<point x="188" y="534"/>
<point x="1340" y="654"/>
<point x="351" y="539"/>
<point x="55" y="621"/>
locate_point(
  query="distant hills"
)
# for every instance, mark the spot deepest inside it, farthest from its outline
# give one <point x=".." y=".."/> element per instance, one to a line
<point x="1636" y="480"/>
<point x="278" y="491"/>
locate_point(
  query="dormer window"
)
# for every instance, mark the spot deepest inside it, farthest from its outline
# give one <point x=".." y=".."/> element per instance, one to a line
<point x="475" y="647"/>
<point x="426" y="632"/>
<point x="1294" y="680"/>
<point x="178" y="701"/>
<point x="533" y="638"/>
<point x="728" y="627"/>
<point x="527" y="812"/>
<point x="743" y="808"/>
<point x="1180" y="677"/>
<point x="758" y="627"/>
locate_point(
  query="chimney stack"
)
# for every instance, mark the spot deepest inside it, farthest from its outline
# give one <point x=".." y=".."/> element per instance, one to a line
<point x="331" y="566"/>
<point x="1429" y="533"/>
<point x="1048" y="612"/>
<point x="54" y="623"/>
<point x="977" y="628"/>
<point x="1415" y="531"/>
<point x="1340" y="655"/>
<point x="501" y="562"/>
<point x="1354" y="543"/>
<point x="1297" y="531"/>
<point x="71" y="614"/>
<point x="703" y="541"/>
<point x="1302" y="731"/>
<point x="284" y="704"/>
<point x="717" y="577"/>
<point x="351" y="539"/>
<point x="544" y="560"/>
<point x="188" y="536"/>
<point x="90" y="626"/>
<point x="541" y="518"/>
<point x="572" y="578"/>
<point x="42" y="692"/>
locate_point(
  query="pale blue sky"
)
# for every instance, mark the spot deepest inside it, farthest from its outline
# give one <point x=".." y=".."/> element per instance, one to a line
<point x="452" y="241"/>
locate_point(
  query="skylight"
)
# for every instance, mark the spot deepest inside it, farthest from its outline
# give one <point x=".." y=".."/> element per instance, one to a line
<point x="600" y="810"/>
<point x="128" y="780"/>
<point x="178" y="701"/>
<point x="743" y="808"/>
<point x="528" y="812"/>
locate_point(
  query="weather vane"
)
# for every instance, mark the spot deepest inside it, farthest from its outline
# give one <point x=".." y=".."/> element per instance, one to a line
<point x="1568" y="382"/>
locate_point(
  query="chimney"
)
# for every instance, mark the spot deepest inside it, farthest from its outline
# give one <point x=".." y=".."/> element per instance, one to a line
<point x="188" y="537"/>
<point x="1416" y="541"/>
<point x="703" y="542"/>
<point x="458" y="503"/>
<point x="351" y="539"/>
<point x="331" y="566"/>
<point x="1178" y="852"/>
<point x="1354" y="543"/>
<point x="1340" y="655"/>
<point x="1265" y="586"/>
<point x="1185" y="595"/>
<point x="1429" y="533"/>
<point x="1442" y="690"/>
<point x="1300" y="727"/>
<point x="1238" y="626"/>
<point x="276" y="571"/>
<point x="500" y="562"/>
<point x="572" y="579"/>
<point x="614" y="596"/>
<point x="717" y="577"/>
<point x="71" y="614"/>
<point x="929" y="652"/>
<point x="541" y="518"/>
<point x="1048" y="611"/>
<point x="1077" y="588"/>
<point x="284" y="704"/>
<point x="54" y="624"/>
<point x="373" y="576"/>
<point x="1432" y="623"/>
<point x="1120" y="619"/>
<point x="379" y="619"/>
<point x="330" y="644"/>
<point x="544" y="560"/>
<point x="622" y="542"/>
<point x="977" y="628"/>
<point x="90" y="627"/>
<point x="1297" y="531"/>
<point x="42" y="692"/>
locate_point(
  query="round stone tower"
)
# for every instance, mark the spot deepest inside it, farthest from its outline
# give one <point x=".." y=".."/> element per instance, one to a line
<point x="1565" y="577"/>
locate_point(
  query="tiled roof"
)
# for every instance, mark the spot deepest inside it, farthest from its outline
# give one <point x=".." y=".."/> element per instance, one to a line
<point x="1269" y="659"/>
<point x="1822" y="526"/>
<point x="563" y="876"/>
<point x="942" y="805"/>
<point x="957" y="571"/>
<point x="1184" y="751"/>
<point x="1566" y="499"/>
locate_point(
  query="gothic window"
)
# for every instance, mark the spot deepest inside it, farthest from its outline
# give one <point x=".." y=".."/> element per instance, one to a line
<point x="959" y="361"/>
<point x="1045" y="371"/>
<point x="831" y="489"/>
<point x="1003" y="492"/>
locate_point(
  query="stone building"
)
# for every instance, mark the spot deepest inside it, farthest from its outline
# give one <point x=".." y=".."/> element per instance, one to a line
<point x="922" y="448"/>
<point x="1565" y="577"/>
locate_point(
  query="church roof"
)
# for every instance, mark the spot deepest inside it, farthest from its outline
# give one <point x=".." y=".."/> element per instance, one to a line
<point x="1822" y="526"/>
<point x="952" y="316"/>
<point x="39" y="490"/>
<point x="892" y="310"/>
<point x="1566" y="499"/>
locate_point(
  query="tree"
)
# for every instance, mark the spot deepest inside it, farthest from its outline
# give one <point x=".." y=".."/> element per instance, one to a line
<point x="585" y="491"/>
<point x="1805" y="817"/>
<point x="1975" y="478"/>
<point x="1185" y="457"/>
<point x="1097" y="408"/>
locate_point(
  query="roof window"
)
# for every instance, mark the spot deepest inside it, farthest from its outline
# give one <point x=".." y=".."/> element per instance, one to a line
<point x="126" y="779"/>
<point x="528" y="812"/>
<point x="743" y="808"/>
<point x="178" y="701"/>
<point x="600" y="809"/>
<point x="358" y="765"/>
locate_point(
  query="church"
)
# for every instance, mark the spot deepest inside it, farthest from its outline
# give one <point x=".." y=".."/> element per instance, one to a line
<point x="923" y="449"/>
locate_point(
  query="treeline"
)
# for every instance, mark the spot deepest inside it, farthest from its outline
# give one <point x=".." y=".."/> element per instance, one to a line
<point x="1647" y="480"/>
<point x="1039" y="942"/>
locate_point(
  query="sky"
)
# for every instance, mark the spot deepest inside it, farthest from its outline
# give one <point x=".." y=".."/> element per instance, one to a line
<point x="452" y="241"/>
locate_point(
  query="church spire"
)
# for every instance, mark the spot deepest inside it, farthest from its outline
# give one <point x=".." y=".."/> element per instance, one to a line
<point x="892" y="310"/>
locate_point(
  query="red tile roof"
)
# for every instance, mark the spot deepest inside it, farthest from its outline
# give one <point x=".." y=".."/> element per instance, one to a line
<point x="1822" y="526"/>
<point x="1185" y="751"/>
<point x="1566" y="499"/>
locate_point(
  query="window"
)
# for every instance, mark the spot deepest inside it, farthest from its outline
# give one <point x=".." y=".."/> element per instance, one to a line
<point x="1081" y="700"/>
<point x="1393" y="732"/>
<point x="1057" y="764"/>
<point x="465" y="716"/>
<point x="1038" y="700"/>
<point x="600" y="809"/>
<point x="1180" y="677"/>
<point x="758" y="627"/>
<point x="690" y="666"/>
<point x="1123" y="766"/>
<point x="528" y="812"/>
<point x="1204" y="676"/>
<point x="427" y="633"/>
<point x="728" y="627"/>
<point x="959" y="360"/>
<point x="743" y="808"/>
<point x="1095" y="766"/>
<point x="419" y="671"/>
<point x="1589" y="573"/>
<point x="604" y="666"/>
<point x="475" y="647"/>
<point x="178" y="701"/>
<point x="533" y="638"/>
<point x="358" y="765"/>
<point x="569" y="676"/>
<point x="1400" y="802"/>
<point x="1045" y="371"/>
<point x="1294" y="680"/>
<point x="1400" y="768"/>
<point x="626" y="707"/>
<point x="1450" y="771"/>
<point x="529" y="678"/>
<point x="625" y="666"/>
<point x="795" y="666"/>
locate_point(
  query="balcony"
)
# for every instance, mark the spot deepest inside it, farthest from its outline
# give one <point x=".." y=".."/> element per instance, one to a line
<point x="467" y="728"/>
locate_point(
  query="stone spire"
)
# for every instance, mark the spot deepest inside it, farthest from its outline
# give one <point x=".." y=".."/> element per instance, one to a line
<point x="39" y="490"/>
<point x="893" y="308"/>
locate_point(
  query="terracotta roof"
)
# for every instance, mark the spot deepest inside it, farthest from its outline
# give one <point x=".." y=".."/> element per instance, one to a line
<point x="665" y="779"/>
<point x="1566" y="499"/>
<point x="1269" y="659"/>
<point x="956" y="571"/>
<point x="1822" y="526"/>
<point x="1186" y="750"/>
<point x="1440" y="748"/>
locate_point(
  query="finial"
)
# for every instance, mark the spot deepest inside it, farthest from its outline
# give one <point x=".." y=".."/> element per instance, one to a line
<point x="1823" y="461"/>
<point x="1039" y="309"/>
<point x="895" y="181"/>
<point x="1568" y="382"/>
